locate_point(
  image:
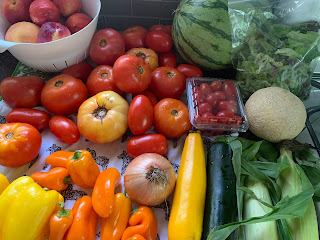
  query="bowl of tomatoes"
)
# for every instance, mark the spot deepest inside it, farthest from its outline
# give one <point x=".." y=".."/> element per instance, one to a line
<point x="216" y="104"/>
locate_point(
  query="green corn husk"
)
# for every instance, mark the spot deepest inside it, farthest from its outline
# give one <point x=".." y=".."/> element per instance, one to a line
<point x="291" y="182"/>
<point x="254" y="208"/>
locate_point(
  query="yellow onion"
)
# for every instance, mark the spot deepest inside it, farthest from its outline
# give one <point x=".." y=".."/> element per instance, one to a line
<point x="149" y="179"/>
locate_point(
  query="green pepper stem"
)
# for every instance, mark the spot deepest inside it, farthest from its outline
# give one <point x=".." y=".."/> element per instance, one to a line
<point x="63" y="212"/>
<point x="77" y="154"/>
<point x="66" y="180"/>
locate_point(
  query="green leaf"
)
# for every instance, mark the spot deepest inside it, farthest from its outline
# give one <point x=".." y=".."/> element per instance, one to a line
<point x="270" y="169"/>
<point x="250" y="153"/>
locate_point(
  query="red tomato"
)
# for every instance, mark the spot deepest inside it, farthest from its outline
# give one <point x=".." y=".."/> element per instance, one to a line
<point x="37" y="118"/>
<point x="205" y="88"/>
<point x="81" y="71"/>
<point x="225" y="117"/>
<point x="135" y="37"/>
<point x="167" y="82"/>
<point x="159" y="41"/>
<point x="149" y="95"/>
<point x="131" y="74"/>
<point x="106" y="46"/>
<point x="198" y="96"/>
<point x="20" y="143"/>
<point x="190" y="71"/>
<point x="140" y="115"/>
<point x="101" y="79"/>
<point x="216" y="86"/>
<point x="229" y="88"/>
<point x="168" y="59"/>
<point x="219" y="95"/>
<point x="63" y="94"/>
<point x="171" y="118"/>
<point x="238" y="120"/>
<point x="163" y="28"/>
<point x="147" y="143"/>
<point x="209" y="117"/>
<point x="226" y="105"/>
<point x="212" y="99"/>
<point x="22" y="92"/>
<point x="204" y="107"/>
<point x="233" y="102"/>
<point x="64" y="129"/>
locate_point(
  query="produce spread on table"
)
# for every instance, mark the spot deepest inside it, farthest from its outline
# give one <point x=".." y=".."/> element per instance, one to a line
<point x="178" y="135"/>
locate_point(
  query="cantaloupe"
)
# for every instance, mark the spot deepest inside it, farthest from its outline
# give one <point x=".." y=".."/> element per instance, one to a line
<point x="275" y="114"/>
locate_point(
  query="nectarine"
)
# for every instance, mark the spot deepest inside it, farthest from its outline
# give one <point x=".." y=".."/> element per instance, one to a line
<point x="68" y="7"/>
<point x="42" y="11"/>
<point x="22" y="32"/>
<point x="77" y="21"/>
<point x="15" y="10"/>
<point x="51" y="31"/>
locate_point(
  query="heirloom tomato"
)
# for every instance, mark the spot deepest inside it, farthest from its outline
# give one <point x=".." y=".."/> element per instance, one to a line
<point x="101" y="79"/>
<point x="131" y="74"/>
<point x="81" y="71"/>
<point x="135" y="37"/>
<point x="64" y="129"/>
<point x="20" y="143"/>
<point x="171" y="118"/>
<point x="22" y="92"/>
<point x="63" y="94"/>
<point x="147" y="54"/>
<point x="37" y="118"/>
<point x="159" y="41"/>
<point x="190" y="71"/>
<point x="104" y="117"/>
<point x="167" y="59"/>
<point x="106" y="46"/>
<point x="167" y="82"/>
<point x="140" y="115"/>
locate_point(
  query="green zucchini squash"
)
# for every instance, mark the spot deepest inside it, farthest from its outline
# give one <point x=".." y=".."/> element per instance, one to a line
<point x="221" y="200"/>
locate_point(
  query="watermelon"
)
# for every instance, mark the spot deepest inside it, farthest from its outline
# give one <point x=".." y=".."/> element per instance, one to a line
<point x="201" y="33"/>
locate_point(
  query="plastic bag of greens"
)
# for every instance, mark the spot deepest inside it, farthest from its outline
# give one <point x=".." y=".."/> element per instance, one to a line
<point x="268" y="52"/>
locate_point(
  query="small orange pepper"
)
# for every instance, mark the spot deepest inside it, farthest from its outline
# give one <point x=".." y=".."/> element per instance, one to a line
<point x="85" y="220"/>
<point x="103" y="191"/>
<point x="60" y="222"/>
<point x="142" y="222"/>
<point x="59" y="158"/>
<point x="113" y="227"/>
<point x="83" y="169"/>
<point x="58" y="207"/>
<point x="136" y="237"/>
<point x="55" y="179"/>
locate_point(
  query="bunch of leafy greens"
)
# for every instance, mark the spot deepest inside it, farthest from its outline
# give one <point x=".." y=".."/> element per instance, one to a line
<point x="267" y="53"/>
<point x="292" y="177"/>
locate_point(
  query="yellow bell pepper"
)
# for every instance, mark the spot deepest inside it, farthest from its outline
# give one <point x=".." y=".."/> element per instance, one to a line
<point x="186" y="217"/>
<point x="4" y="183"/>
<point x="25" y="210"/>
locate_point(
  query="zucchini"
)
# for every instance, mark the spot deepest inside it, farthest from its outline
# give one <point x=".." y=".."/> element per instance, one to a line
<point x="221" y="200"/>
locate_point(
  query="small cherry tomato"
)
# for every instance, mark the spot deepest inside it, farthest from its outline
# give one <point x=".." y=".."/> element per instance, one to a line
<point x="216" y="86"/>
<point x="147" y="143"/>
<point x="212" y="99"/>
<point x="205" y="88"/>
<point x="226" y="105"/>
<point x="160" y="27"/>
<point x="198" y="96"/>
<point x="233" y="102"/>
<point x="81" y="71"/>
<point x="135" y="37"/>
<point x="149" y="95"/>
<point x="148" y="55"/>
<point x="131" y="74"/>
<point x="204" y="107"/>
<point x="140" y="116"/>
<point x="225" y="116"/>
<point x="209" y="117"/>
<point x="167" y="59"/>
<point x="64" y="129"/>
<point x="220" y="95"/>
<point x="167" y="82"/>
<point x="190" y="71"/>
<point x="37" y="118"/>
<point x="101" y="79"/>
<point x="238" y="120"/>
<point x="159" y="41"/>
<point x="229" y="88"/>
<point x="171" y="118"/>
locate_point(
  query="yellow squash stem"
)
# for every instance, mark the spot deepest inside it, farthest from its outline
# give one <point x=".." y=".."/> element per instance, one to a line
<point x="187" y="211"/>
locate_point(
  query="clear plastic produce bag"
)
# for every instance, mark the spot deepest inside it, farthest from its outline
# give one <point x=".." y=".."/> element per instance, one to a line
<point x="273" y="44"/>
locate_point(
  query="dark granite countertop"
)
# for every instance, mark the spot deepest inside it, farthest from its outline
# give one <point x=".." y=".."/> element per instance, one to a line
<point x="7" y="64"/>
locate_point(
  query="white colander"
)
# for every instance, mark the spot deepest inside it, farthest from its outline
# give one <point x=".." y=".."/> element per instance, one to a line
<point x="56" y="55"/>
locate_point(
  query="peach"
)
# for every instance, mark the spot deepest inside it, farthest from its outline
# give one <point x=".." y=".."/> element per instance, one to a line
<point x="15" y="10"/>
<point x="42" y="11"/>
<point x="22" y="32"/>
<point x="51" y="31"/>
<point x="68" y="7"/>
<point x="77" y="21"/>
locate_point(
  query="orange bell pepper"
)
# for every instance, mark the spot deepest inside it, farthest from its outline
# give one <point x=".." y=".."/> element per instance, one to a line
<point x="142" y="222"/>
<point x="103" y="191"/>
<point x="60" y="222"/>
<point x="113" y="227"/>
<point x="136" y="237"/>
<point x="59" y="158"/>
<point x="55" y="179"/>
<point x="85" y="220"/>
<point x="83" y="169"/>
